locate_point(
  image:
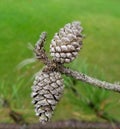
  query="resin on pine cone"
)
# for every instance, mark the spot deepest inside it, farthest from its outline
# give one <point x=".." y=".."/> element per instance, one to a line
<point x="66" y="44"/>
<point x="46" y="92"/>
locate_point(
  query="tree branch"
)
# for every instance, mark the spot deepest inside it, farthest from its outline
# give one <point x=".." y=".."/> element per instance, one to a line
<point x="52" y="65"/>
<point x="88" y="79"/>
<point x="41" y="53"/>
<point x="68" y="124"/>
<point x="39" y="49"/>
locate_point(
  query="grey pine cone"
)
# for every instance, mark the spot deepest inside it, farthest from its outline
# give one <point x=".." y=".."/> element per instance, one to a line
<point x="46" y="92"/>
<point x="66" y="44"/>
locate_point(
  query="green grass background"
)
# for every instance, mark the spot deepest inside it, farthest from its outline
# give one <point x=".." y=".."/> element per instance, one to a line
<point x="22" y="22"/>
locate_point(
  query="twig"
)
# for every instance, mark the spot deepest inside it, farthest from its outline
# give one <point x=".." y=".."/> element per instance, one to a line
<point x="17" y="117"/>
<point x="101" y="113"/>
<point x="88" y="79"/>
<point x="68" y="124"/>
<point x="54" y="65"/>
<point x="41" y="55"/>
<point x="39" y="49"/>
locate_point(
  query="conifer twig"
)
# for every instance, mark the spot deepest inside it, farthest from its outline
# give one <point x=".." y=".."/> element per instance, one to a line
<point x="39" y="49"/>
<point x="48" y="84"/>
<point x="90" y="80"/>
<point x="41" y="55"/>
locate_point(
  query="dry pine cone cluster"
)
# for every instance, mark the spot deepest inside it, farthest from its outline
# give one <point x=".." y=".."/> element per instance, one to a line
<point x="48" y="85"/>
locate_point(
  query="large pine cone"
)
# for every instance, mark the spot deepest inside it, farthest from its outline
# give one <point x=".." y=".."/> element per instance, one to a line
<point x="47" y="91"/>
<point x="66" y="44"/>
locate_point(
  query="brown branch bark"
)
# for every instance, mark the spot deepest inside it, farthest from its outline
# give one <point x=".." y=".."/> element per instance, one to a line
<point x="40" y="51"/>
<point x="88" y="79"/>
<point x="69" y="124"/>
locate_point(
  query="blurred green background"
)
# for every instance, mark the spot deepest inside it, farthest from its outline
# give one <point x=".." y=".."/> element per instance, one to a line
<point x="21" y="22"/>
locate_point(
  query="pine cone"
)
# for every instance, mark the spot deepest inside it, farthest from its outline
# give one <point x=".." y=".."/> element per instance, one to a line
<point x="47" y="91"/>
<point x="66" y="44"/>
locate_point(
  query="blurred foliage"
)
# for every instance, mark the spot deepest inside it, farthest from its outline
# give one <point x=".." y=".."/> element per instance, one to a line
<point x="22" y="22"/>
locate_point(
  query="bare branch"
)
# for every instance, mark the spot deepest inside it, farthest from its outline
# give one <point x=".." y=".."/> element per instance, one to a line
<point x="52" y="65"/>
<point x="68" y="124"/>
<point x="42" y="55"/>
<point x="90" y="80"/>
<point x="39" y="49"/>
<point x="40" y="42"/>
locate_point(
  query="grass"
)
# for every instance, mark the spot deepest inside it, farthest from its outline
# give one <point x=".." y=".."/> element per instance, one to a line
<point x="22" y="22"/>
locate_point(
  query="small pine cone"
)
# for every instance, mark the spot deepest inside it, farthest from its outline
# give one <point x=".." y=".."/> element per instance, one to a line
<point x="47" y="91"/>
<point x="66" y="44"/>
